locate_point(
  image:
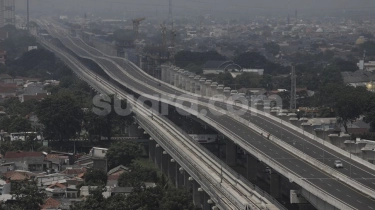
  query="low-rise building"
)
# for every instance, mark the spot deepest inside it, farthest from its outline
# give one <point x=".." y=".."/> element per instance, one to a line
<point x="31" y="161"/>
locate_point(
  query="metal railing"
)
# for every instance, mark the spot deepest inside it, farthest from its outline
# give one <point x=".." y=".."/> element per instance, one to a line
<point x="285" y="171"/>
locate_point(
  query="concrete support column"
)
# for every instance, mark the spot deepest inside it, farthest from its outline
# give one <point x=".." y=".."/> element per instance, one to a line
<point x="308" y="128"/>
<point x="259" y="106"/>
<point x="197" y="85"/>
<point x="151" y="150"/>
<point x="208" y="87"/>
<point x="187" y="182"/>
<point x="180" y="78"/>
<point x="202" y="89"/>
<point x="165" y="162"/>
<point x="220" y="90"/>
<point x="294" y="121"/>
<point x="205" y="204"/>
<point x="158" y="154"/>
<point x="251" y="167"/>
<point x="197" y="199"/>
<point x="275" y="185"/>
<point x="324" y="134"/>
<point x="186" y="81"/>
<point x="227" y="92"/>
<point x="172" y="170"/>
<point x="172" y="76"/>
<point x="176" y="79"/>
<point x="231" y="151"/>
<point x="213" y="89"/>
<point x="163" y="75"/>
<point x="180" y="178"/>
<point x="191" y="83"/>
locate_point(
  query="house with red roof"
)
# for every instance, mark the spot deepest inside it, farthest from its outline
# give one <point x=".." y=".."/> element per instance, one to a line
<point x="51" y="203"/>
<point x="30" y="161"/>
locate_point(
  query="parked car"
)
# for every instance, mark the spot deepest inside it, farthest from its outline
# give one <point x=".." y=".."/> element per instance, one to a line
<point x="338" y="164"/>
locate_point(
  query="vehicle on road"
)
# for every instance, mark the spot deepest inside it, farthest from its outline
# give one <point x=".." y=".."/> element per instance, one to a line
<point x="338" y="164"/>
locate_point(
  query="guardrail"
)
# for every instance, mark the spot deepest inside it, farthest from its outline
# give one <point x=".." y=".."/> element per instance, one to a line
<point x="277" y="120"/>
<point x="185" y="157"/>
<point x="134" y="89"/>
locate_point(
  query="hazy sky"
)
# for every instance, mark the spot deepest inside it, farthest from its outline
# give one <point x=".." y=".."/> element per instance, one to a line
<point x="193" y="6"/>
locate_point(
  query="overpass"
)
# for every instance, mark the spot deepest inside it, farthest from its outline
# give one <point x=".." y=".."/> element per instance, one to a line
<point x="301" y="159"/>
<point x="185" y="161"/>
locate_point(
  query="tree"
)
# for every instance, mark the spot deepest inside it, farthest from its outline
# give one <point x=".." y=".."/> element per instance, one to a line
<point x="95" y="177"/>
<point x="116" y="202"/>
<point x="176" y="199"/>
<point x="258" y="61"/>
<point x="110" y="116"/>
<point x="136" y="176"/>
<point x="19" y="124"/>
<point x="27" y="195"/>
<point x="122" y="153"/>
<point x="369" y="46"/>
<point x="184" y="58"/>
<point x="94" y="201"/>
<point x="248" y="80"/>
<point x="145" y="198"/>
<point x="330" y="74"/>
<point x="61" y="116"/>
<point x="194" y="68"/>
<point x="369" y="110"/>
<point x="272" y="47"/>
<point x="349" y="104"/>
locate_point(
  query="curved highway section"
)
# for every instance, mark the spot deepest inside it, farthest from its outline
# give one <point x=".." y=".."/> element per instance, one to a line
<point x="325" y="186"/>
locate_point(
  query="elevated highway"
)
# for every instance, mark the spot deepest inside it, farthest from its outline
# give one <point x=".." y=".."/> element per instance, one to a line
<point x="299" y="159"/>
<point x="177" y="154"/>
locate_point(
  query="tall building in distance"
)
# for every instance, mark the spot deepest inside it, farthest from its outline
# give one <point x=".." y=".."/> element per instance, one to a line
<point x="7" y="12"/>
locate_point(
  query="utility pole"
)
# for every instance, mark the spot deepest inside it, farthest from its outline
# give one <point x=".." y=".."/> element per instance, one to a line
<point x="173" y="43"/>
<point x="28" y="15"/>
<point x="170" y="13"/>
<point x="164" y="35"/>
<point x="293" y="97"/>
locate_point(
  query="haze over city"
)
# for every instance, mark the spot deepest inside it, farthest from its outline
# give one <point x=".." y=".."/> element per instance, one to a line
<point x="187" y="104"/>
<point x="201" y="7"/>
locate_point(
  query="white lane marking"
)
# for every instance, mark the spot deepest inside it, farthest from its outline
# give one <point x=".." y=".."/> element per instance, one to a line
<point x="338" y="190"/>
<point x="359" y="201"/>
<point x="348" y="196"/>
<point x="329" y="185"/>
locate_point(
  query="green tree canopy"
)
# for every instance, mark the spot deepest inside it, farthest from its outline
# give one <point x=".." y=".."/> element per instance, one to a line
<point x="94" y="201"/>
<point x="27" y="195"/>
<point x="95" y="177"/>
<point x="177" y="199"/>
<point x="122" y="153"/>
<point x="19" y="124"/>
<point x="257" y="61"/>
<point x="272" y="47"/>
<point x="137" y="175"/>
<point x="184" y="58"/>
<point x="61" y="115"/>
